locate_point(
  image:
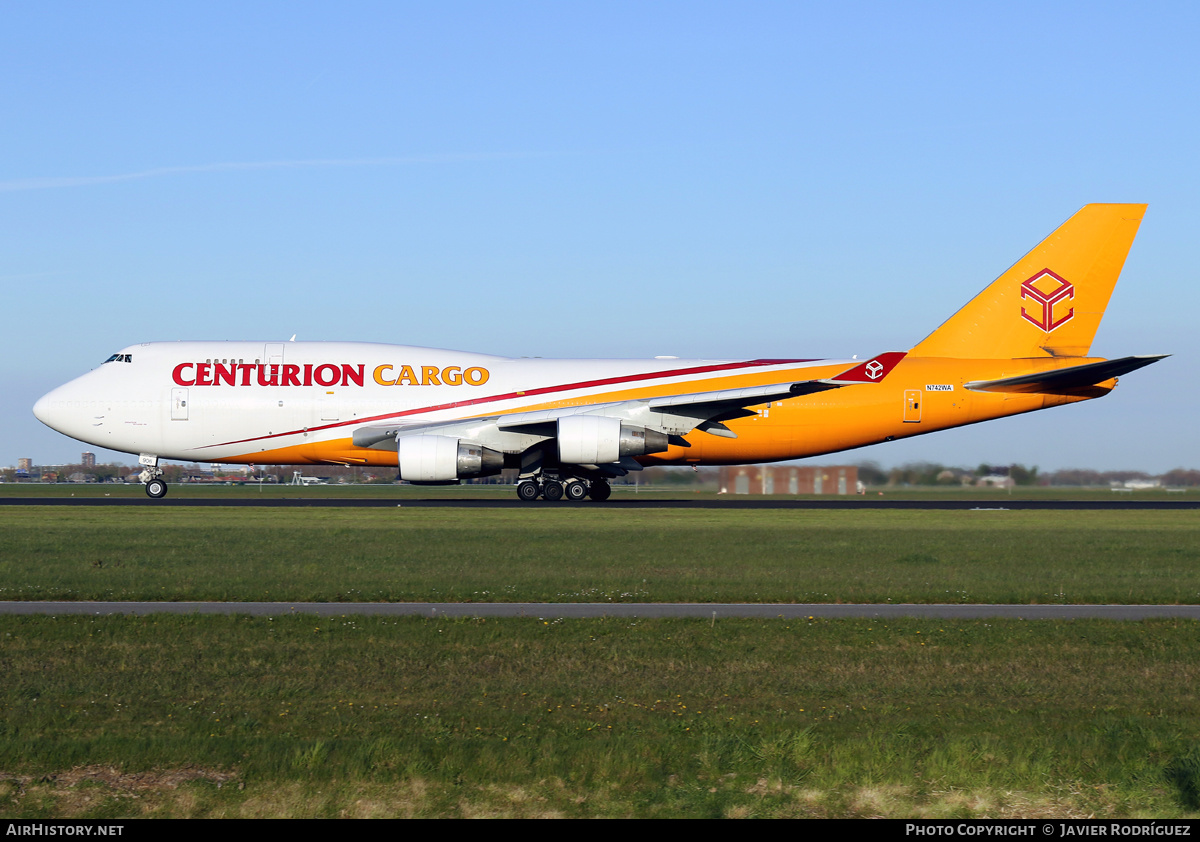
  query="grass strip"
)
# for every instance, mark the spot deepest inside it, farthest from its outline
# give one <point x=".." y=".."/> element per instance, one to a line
<point x="240" y="716"/>
<point x="582" y="554"/>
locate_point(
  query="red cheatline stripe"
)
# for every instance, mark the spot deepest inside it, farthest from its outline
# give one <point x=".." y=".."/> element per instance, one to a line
<point x="546" y="390"/>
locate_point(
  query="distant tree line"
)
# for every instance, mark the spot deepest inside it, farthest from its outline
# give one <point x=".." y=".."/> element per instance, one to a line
<point x="933" y="473"/>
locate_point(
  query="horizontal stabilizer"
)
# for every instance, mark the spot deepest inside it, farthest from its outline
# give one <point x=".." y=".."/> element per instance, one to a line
<point x="1067" y="380"/>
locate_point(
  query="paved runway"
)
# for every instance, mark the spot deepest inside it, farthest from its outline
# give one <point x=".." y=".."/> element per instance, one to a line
<point x="584" y="610"/>
<point x="758" y="503"/>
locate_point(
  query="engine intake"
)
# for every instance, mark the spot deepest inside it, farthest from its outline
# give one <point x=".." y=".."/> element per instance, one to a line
<point x="427" y="458"/>
<point x="597" y="440"/>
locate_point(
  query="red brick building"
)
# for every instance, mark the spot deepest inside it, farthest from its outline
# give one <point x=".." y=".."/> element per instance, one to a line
<point x="788" y="479"/>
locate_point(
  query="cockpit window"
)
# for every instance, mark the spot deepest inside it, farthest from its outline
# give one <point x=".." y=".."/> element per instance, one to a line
<point x="120" y="358"/>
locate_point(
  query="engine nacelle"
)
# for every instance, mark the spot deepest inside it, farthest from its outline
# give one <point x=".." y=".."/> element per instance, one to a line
<point x="597" y="440"/>
<point x="444" y="458"/>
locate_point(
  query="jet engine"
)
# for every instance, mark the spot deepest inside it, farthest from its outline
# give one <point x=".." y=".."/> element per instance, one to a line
<point x="597" y="440"/>
<point x="429" y="458"/>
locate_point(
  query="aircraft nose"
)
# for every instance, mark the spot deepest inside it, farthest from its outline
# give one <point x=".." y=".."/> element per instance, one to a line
<point x="50" y="408"/>
<point x="43" y="409"/>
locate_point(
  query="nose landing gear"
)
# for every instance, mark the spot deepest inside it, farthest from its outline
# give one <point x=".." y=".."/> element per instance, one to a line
<point x="152" y="476"/>
<point x="156" y="488"/>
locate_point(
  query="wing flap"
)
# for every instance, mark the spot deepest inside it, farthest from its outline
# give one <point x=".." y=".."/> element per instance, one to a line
<point x="702" y="404"/>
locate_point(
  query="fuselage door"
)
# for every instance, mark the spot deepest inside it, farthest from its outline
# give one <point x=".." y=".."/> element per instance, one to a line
<point x="912" y="406"/>
<point x="329" y="406"/>
<point x="179" y="404"/>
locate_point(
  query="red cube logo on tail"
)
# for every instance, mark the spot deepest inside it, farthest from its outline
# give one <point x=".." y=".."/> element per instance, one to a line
<point x="1047" y="290"/>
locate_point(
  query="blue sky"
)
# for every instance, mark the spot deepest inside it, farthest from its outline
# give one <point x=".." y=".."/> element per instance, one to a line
<point x="714" y="180"/>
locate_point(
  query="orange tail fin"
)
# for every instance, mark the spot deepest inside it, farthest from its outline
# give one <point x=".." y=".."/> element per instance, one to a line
<point x="1049" y="304"/>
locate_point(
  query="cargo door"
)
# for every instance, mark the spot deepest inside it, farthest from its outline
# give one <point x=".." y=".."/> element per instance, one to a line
<point x="179" y="404"/>
<point x="912" y="406"/>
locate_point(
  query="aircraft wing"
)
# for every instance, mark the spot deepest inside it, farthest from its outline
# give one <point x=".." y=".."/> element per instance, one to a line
<point x="672" y="415"/>
<point x="709" y="409"/>
<point x="675" y="415"/>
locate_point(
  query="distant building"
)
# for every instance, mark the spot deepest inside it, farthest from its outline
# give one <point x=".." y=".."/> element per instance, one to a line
<point x="995" y="481"/>
<point x="1142" y="484"/>
<point x="788" y="479"/>
<point x="25" y="464"/>
<point x="89" y="459"/>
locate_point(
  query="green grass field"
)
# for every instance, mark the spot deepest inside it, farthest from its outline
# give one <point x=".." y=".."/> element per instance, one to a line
<point x="597" y="554"/>
<point x="294" y="716"/>
<point x="228" y="716"/>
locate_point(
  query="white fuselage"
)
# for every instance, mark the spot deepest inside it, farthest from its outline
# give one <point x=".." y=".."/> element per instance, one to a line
<point x="247" y="401"/>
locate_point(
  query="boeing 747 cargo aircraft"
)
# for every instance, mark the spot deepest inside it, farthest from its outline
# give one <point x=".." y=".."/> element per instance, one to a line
<point x="570" y="426"/>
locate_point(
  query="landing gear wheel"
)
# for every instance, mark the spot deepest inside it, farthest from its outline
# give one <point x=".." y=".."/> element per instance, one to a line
<point x="576" y="491"/>
<point x="527" y="490"/>
<point x="600" y="491"/>
<point x="552" y="490"/>
<point x="156" y="488"/>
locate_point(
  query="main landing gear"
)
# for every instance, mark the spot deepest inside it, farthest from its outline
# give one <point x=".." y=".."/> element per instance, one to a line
<point x="554" y="489"/>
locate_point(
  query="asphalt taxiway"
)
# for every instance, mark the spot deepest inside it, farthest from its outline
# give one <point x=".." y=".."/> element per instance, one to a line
<point x="735" y="504"/>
